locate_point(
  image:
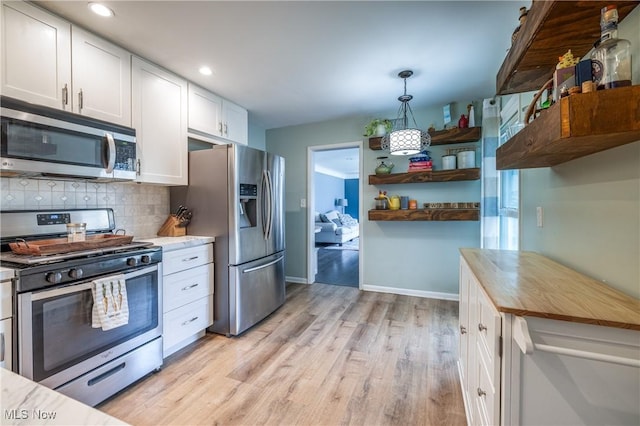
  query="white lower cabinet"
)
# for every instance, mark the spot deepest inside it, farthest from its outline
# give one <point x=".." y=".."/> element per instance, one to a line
<point x="6" y="306"/>
<point x="480" y="351"/>
<point x="187" y="296"/>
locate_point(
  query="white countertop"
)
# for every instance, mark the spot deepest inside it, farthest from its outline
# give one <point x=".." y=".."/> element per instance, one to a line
<point x="25" y="402"/>
<point x="6" y="273"/>
<point x="176" y="243"/>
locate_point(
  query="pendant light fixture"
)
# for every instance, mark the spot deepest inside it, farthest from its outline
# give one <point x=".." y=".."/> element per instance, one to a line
<point x="404" y="140"/>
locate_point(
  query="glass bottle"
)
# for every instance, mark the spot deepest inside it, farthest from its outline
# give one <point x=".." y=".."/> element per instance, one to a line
<point x="611" y="58"/>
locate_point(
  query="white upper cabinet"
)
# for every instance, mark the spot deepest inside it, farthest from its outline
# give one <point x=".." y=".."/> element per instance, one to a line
<point x="101" y="78"/>
<point x="159" y="115"/>
<point x="205" y="113"/>
<point x="36" y="56"/>
<point x="47" y="62"/>
<point x="214" y="119"/>
<point x="235" y="123"/>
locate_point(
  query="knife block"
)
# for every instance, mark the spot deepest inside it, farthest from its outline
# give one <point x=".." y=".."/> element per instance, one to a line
<point x="170" y="228"/>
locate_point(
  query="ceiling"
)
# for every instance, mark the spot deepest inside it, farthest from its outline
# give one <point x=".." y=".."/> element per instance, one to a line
<point x="299" y="62"/>
<point x="342" y="162"/>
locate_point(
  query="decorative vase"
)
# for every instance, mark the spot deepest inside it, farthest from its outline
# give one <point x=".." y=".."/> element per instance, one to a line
<point x="463" y="123"/>
<point x="381" y="130"/>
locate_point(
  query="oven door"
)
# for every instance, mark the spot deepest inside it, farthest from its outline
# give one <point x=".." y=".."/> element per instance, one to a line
<point x="57" y="342"/>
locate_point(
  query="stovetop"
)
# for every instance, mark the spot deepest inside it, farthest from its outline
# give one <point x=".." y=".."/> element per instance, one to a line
<point x="11" y="259"/>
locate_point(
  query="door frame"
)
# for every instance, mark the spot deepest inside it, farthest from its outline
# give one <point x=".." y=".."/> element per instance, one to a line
<point x="311" y="206"/>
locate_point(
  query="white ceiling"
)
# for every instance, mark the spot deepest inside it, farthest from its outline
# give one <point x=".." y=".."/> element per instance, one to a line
<point x="298" y="62"/>
<point x="342" y="163"/>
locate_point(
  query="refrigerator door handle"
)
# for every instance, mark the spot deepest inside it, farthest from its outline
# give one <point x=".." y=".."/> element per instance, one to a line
<point x="263" y="189"/>
<point x="269" y="205"/>
<point x="256" y="268"/>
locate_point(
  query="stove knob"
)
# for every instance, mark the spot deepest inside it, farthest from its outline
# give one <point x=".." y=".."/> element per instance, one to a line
<point x="145" y="259"/>
<point x="76" y="273"/>
<point x="53" y="277"/>
<point x="132" y="261"/>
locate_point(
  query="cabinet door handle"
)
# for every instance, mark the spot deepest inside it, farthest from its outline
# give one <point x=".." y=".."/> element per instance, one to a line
<point x="138" y="167"/>
<point x="80" y="100"/>
<point x="482" y="327"/>
<point x="189" y="287"/>
<point x="220" y="127"/>
<point x="65" y="96"/>
<point x="481" y="392"/>
<point x="2" y="347"/>
<point x="226" y="129"/>
<point x="190" y="321"/>
<point x="463" y="329"/>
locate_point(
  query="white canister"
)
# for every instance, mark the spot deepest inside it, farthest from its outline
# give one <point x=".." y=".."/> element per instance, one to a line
<point x="448" y="162"/>
<point x="466" y="159"/>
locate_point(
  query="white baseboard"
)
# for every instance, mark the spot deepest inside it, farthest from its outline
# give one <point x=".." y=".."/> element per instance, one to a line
<point x="297" y="280"/>
<point x="393" y="290"/>
<point x="410" y="292"/>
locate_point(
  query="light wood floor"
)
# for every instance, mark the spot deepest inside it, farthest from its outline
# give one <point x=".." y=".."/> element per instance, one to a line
<point x="330" y="356"/>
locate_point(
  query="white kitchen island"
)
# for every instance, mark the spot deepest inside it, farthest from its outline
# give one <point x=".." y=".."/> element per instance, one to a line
<point x="541" y="344"/>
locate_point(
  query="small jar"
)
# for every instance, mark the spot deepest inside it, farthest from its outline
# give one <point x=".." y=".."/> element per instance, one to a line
<point x="413" y="204"/>
<point x="76" y="232"/>
<point x="382" y="204"/>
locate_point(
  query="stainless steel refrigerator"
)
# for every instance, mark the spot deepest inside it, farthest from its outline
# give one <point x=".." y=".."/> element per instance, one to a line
<point x="236" y="194"/>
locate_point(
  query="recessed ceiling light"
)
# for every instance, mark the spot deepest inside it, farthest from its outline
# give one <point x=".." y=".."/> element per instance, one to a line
<point x="101" y="9"/>
<point x="205" y="70"/>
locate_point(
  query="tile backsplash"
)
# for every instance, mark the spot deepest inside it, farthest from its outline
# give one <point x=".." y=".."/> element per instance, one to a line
<point x="139" y="209"/>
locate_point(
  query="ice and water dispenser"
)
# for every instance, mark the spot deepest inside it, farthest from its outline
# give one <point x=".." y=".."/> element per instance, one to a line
<point x="248" y="205"/>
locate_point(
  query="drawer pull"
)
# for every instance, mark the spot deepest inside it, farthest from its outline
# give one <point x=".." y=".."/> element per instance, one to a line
<point x="190" y="286"/>
<point x="482" y="327"/>
<point x="190" y="321"/>
<point x="189" y="259"/>
<point x="463" y="329"/>
<point x="481" y="392"/>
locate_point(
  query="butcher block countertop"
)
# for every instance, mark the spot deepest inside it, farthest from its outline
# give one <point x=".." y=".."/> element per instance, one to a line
<point x="528" y="284"/>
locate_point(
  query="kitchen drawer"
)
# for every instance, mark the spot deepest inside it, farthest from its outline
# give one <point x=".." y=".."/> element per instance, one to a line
<point x="187" y="286"/>
<point x="179" y="260"/>
<point x="487" y="405"/>
<point x="489" y="330"/>
<point x="184" y="322"/>
<point x="6" y="298"/>
<point x="5" y="343"/>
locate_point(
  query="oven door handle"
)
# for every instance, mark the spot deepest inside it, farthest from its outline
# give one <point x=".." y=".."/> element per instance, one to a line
<point x="86" y="285"/>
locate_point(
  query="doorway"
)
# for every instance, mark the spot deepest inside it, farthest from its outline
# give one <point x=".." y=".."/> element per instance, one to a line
<point x="334" y="193"/>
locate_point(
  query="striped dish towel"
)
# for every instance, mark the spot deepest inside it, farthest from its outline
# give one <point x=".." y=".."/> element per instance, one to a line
<point x="110" y="305"/>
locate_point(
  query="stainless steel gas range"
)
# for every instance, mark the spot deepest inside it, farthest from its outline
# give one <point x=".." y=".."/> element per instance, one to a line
<point x="58" y="343"/>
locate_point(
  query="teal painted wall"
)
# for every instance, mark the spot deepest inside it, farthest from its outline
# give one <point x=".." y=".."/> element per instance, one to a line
<point x="591" y="205"/>
<point x="413" y="256"/>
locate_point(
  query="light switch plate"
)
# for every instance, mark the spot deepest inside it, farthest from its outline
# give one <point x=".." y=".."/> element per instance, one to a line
<point x="539" y="216"/>
<point x="303" y="203"/>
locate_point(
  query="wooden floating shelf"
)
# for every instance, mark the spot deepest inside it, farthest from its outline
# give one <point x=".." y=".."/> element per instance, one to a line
<point x="456" y="135"/>
<point x="442" y="137"/>
<point x="551" y="28"/>
<point x="425" y="215"/>
<point x="577" y="126"/>
<point x="426" y="176"/>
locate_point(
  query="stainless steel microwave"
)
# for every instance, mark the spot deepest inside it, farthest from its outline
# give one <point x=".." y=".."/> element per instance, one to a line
<point x="39" y="141"/>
